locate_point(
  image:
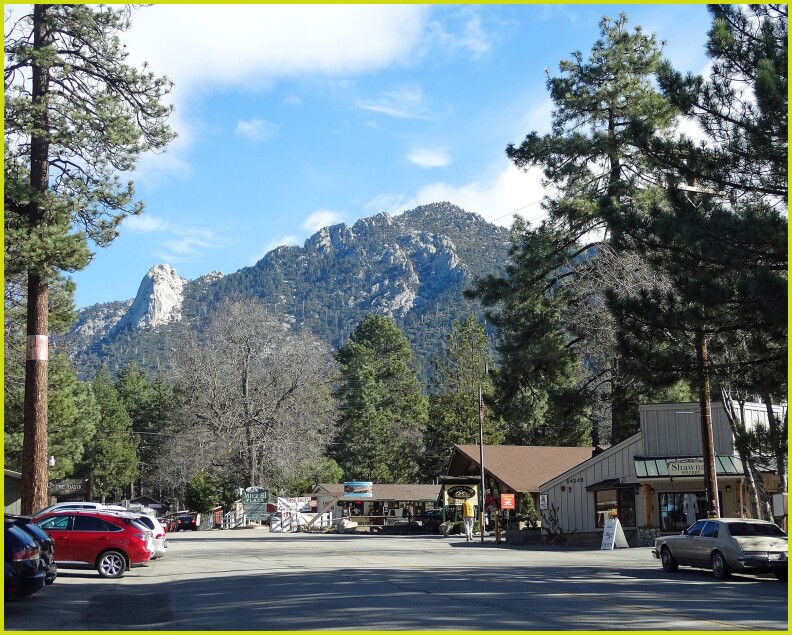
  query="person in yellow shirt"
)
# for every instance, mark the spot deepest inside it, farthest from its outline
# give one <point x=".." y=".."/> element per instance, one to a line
<point x="468" y="514"/>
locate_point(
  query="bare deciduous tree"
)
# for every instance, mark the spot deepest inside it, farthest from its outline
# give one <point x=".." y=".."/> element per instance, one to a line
<point x="262" y="390"/>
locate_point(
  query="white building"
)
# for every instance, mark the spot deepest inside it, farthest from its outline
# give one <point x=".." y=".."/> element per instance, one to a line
<point x="654" y="479"/>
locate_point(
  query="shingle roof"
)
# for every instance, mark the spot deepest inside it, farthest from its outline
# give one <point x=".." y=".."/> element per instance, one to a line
<point x="387" y="492"/>
<point x="522" y="468"/>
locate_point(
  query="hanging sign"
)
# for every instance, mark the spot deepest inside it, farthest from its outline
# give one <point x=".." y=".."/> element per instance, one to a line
<point x="613" y="535"/>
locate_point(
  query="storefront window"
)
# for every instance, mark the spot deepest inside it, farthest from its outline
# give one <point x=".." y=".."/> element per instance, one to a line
<point x="679" y="510"/>
<point x="615" y="502"/>
<point x="627" y="507"/>
<point x="607" y="505"/>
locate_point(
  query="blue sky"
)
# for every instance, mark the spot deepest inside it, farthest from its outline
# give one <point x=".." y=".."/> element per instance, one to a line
<point x="291" y="118"/>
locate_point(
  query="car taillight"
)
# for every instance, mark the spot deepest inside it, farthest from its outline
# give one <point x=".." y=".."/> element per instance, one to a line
<point x="27" y="554"/>
<point x="159" y="535"/>
<point x="142" y="537"/>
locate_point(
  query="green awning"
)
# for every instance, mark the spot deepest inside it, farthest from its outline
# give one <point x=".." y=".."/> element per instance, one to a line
<point x="657" y="467"/>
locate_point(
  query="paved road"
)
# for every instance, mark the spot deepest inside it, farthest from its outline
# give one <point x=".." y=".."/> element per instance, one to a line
<point x="254" y="580"/>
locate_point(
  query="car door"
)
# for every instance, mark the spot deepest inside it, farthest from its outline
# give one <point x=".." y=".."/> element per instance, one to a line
<point x="704" y="543"/>
<point x="89" y="537"/>
<point x="684" y="549"/>
<point x="58" y="528"/>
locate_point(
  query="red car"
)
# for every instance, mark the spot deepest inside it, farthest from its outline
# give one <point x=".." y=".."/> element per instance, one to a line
<point x="90" y="539"/>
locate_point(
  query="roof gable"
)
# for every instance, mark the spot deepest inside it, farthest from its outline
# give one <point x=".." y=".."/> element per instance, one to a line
<point x="522" y="468"/>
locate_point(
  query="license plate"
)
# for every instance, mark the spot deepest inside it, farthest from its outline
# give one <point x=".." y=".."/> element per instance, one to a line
<point x="776" y="556"/>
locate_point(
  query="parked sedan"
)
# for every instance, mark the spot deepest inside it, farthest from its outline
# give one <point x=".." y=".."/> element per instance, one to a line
<point x="45" y="542"/>
<point x="725" y="545"/>
<point x="23" y="573"/>
<point x="109" y="542"/>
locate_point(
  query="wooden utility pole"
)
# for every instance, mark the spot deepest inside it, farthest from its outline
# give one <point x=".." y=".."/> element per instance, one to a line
<point x="35" y="469"/>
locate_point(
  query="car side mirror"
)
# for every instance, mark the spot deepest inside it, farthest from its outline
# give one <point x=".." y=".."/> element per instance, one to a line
<point x="684" y="532"/>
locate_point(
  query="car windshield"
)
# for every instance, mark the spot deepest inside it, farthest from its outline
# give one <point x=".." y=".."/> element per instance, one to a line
<point x="755" y="529"/>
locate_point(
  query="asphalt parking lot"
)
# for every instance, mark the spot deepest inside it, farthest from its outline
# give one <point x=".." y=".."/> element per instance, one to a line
<point x="256" y="580"/>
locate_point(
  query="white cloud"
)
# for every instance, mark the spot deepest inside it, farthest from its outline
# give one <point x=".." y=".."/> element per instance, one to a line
<point x="321" y="218"/>
<point x="511" y="192"/>
<point x="407" y="102"/>
<point x="144" y="224"/>
<point x="190" y="245"/>
<point x="468" y="36"/>
<point x="204" y="48"/>
<point x="255" y="129"/>
<point x="207" y="46"/>
<point x="429" y="158"/>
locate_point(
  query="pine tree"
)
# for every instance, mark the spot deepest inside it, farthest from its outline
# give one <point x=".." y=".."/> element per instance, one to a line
<point x="110" y="459"/>
<point x="590" y="160"/>
<point x="75" y="115"/>
<point x="150" y="404"/>
<point x="719" y="233"/>
<point x="454" y="401"/>
<point x="383" y="408"/>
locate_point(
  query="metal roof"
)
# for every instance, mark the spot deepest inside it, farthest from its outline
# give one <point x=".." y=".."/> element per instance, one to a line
<point x="657" y="467"/>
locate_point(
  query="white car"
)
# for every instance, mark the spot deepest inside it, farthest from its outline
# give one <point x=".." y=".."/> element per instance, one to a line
<point x="79" y="505"/>
<point x="158" y="531"/>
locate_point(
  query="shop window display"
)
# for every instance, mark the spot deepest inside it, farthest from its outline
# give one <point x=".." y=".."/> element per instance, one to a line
<point x="615" y="502"/>
<point x="679" y="510"/>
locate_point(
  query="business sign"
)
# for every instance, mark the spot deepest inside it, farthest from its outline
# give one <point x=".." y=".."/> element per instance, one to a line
<point x="67" y="487"/>
<point x="359" y="489"/>
<point x="542" y="501"/>
<point x="613" y="534"/>
<point x="507" y="501"/>
<point x="456" y="494"/>
<point x="693" y="467"/>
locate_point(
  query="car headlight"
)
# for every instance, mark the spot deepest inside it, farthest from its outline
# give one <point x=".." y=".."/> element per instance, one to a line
<point x="756" y="554"/>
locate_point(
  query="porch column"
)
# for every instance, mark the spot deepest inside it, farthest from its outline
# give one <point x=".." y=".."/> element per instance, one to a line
<point x="647" y="497"/>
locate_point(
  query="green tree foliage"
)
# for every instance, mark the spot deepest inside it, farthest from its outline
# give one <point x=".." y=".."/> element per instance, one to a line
<point x="383" y="410"/>
<point x="76" y="115"/>
<point x="87" y="116"/>
<point x="720" y="232"/>
<point x="150" y="404"/>
<point x="454" y="400"/>
<point x="540" y="368"/>
<point x="111" y="455"/>
<point x="73" y="415"/>
<point x="202" y="493"/>
<point x="322" y="471"/>
<point x="556" y="367"/>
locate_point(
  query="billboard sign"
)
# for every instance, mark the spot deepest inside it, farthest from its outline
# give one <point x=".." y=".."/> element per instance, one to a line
<point x="359" y="489"/>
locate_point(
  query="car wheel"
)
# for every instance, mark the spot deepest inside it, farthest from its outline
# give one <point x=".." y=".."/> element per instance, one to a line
<point x="111" y="564"/>
<point x="669" y="562"/>
<point x="782" y="575"/>
<point x="720" y="568"/>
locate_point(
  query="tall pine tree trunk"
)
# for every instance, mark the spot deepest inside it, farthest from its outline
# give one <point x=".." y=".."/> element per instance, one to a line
<point x="34" y="444"/>
<point x="707" y="443"/>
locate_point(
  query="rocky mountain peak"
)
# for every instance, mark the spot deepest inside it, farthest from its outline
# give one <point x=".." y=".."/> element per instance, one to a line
<point x="158" y="300"/>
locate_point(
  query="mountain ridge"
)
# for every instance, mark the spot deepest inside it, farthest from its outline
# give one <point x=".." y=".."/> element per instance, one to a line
<point x="413" y="267"/>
